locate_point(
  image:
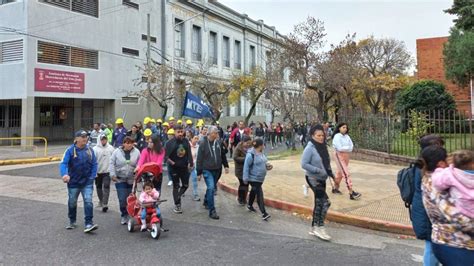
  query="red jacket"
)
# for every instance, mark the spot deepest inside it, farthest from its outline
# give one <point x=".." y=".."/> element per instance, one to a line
<point x="247" y="131"/>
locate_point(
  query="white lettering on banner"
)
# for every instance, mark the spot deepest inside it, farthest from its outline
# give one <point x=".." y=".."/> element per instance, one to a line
<point x="194" y="106"/>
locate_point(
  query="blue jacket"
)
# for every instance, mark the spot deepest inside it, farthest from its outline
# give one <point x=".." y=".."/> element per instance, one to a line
<point x="420" y="221"/>
<point x="119" y="135"/>
<point x="255" y="167"/>
<point x="80" y="165"/>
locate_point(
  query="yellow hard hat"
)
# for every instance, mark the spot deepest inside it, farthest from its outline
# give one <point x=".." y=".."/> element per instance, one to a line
<point x="119" y="121"/>
<point x="165" y="124"/>
<point x="159" y="120"/>
<point x="147" y="132"/>
<point x="146" y="120"/>
<point x="171" y="119"/>
<point x="179" y="121"/>
<point x="153" y="120"/>
<point x="189" y="122"/>
<point x="170" y="131"/>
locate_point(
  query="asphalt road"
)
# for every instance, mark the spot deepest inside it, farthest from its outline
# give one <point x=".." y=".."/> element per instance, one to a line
<point x="33" y="232"/>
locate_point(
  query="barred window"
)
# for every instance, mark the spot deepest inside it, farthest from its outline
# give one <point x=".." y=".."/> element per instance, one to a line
<point x="86" y="7"/>
<point x="58" y="54"/>
<point x="14" y="116"/>
<point x="129" y="51"/>
<point x="11" y="51"/>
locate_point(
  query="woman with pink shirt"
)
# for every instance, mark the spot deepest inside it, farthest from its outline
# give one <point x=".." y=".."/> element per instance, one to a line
<point x="153" y="153"/>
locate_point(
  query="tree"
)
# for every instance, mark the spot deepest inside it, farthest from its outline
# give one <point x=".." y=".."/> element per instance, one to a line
<point x="384" y="63"/>
<point x="459" y="56"/>
<point x="425" y="96"/>
<point x="464" y="10"/>
<point x="161" y="90"/>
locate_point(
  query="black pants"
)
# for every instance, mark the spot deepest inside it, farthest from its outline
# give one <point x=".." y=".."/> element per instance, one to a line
<point x="102" y="183"/>
<point x="157" y="181"/>
<point x="257" y="191"/>
<point x="179" y="174"/>
<point x="243" y="191"/>
<point x="321" y="201"/>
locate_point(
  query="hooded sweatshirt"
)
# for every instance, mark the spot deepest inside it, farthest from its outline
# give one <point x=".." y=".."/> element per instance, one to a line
<point x="103" y="153"/>
<point x="461" y="187"/>
<point x="123" y="168"/>
<point x="211" y="155"/>
<point x="255" y="167"/>
<point x="312" y="163"/>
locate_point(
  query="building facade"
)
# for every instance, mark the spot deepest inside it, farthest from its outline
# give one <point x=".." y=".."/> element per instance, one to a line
<point x="431" y="66"/>
<point x="67" y="64"/>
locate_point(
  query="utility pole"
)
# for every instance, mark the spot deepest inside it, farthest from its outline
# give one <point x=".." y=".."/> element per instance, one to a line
<point x="148" y="53"/>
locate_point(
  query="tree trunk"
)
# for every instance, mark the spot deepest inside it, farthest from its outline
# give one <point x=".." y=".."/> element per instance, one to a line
<point x="165" y="111"/>
<point x="250" y="113"/>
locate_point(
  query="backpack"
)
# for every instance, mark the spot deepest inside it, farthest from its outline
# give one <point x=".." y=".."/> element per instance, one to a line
<point x="406" y="184"/>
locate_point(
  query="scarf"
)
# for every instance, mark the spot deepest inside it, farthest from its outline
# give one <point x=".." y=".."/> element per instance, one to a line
<point x="322" y="150"/>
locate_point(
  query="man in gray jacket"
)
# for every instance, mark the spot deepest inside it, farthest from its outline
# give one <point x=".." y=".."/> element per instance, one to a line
<point x="103" y="152"/>
<point x="210" y="159"/>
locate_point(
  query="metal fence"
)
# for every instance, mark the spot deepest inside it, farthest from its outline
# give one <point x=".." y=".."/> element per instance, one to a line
<point x="399" y="133"/>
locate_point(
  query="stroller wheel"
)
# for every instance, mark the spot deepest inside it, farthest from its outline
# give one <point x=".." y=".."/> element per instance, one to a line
<point x="155" y="230"/>
<point x="131" y="224"/>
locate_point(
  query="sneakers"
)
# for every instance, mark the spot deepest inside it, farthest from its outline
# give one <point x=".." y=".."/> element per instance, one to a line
<point x="251" y="208"/>
<point x="240" y="202"/>
<point x="205" y="205"/>
<point x="90" y="227"/>
<point x="71" y="226"/>
<point x="320" y="232"/>
<point x="214" y="216"/>
<point x="170" y="183"/>
<point x="336" y="191"/>
<point x="177" y="209"/>
<point x="105" y="209"/>
<point x="143" y="228"/>
<point x="266" y="216"/>
<point x="355" y="195"/>
<point x="196" y="198"/>
<point x="124" y="220"/>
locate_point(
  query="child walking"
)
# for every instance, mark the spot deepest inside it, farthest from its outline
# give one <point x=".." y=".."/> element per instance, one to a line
<point x="255" y="170"/>
<point x="148" y="195"/>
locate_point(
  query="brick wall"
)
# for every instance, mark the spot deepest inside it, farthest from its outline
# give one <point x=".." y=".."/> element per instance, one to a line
<point x="430" y="66"/>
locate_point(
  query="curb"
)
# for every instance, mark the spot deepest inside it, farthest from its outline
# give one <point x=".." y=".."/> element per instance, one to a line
<point x="334" y="216"/>
<point x="29" y="160"/>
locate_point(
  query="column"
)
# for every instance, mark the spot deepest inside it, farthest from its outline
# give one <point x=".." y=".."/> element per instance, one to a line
<point x="27" y="121"/>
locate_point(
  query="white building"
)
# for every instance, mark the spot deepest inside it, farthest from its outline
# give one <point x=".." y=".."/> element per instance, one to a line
<point x="66" y="64"/>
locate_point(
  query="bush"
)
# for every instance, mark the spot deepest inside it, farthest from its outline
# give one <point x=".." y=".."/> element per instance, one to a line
<point x="425" y="96"/>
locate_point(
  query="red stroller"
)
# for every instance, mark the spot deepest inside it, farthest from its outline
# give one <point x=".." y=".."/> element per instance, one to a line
<point x="148" y="172"/>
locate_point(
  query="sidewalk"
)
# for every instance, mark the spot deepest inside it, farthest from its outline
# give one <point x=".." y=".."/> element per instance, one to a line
<point x="15" y="152"/>
<point x="377" y="183"/>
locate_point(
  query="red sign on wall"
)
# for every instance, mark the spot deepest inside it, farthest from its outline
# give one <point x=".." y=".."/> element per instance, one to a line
<point x="59" y="81"/>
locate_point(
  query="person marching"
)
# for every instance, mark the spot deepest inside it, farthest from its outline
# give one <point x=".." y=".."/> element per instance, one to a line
<point x="103" y="152"/>
<point x="239" y="159"/>
<point x="154" y="152"/>
<point x="119" y="133"/>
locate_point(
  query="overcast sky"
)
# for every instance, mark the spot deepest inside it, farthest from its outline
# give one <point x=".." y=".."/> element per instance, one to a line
<point x="405" y="20"/>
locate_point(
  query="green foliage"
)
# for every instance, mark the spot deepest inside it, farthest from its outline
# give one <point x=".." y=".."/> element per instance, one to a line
<point x="459" y="56"/>
<point x="419" y="125"/>
<point x="464" y="10"/>
<point x="423" y="96"/>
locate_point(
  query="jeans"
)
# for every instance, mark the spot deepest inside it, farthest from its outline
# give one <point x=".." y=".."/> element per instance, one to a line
<point x="209" y="178"/>
<point x="73" y="195"/>
<point x="143" y="214"/>
<point x="123" y="190"/>
<point x="321" y="200"/>
<point x="195" y="182"/>
<point x="179" y="174"/>
<point x="102" y="183"/>
<point x="257" y="191"/>
<point x="429" y="258"/>
<point x="451" y="256"/>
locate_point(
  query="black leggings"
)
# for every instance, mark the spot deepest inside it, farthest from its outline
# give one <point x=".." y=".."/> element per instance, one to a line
<point x="179" y="174"/>
<point x="243" y="191"/>
<point x="257" y="191"/>
<point x="321" y="201"/>
<point x="157" y="181"/>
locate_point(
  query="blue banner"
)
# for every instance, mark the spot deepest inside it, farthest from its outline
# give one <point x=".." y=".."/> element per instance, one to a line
<point x="195" y="107"/>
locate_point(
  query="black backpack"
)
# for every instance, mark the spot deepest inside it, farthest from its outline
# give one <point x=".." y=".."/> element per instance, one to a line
<point x="406" y="184"/>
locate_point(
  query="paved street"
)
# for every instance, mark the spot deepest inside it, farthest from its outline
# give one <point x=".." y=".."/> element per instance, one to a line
<point x="33" y="200"/>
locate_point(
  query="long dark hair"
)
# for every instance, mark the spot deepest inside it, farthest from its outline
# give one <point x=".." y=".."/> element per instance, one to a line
<point x="338" y="127"/>
<point x="432" y="155"/>
<point x="157" y="146"/>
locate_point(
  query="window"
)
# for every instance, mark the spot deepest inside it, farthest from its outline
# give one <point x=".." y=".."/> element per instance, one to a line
<point x="2" y="2"/>
<point x="179" y="38"/>
<point x="11" y="51"/>
<point x="86" y="7"/>
<point x="131" y="100"/>
<point x="50" y="115"/>
<point x="58" y="54"/>
<point x="152" y="39"/>
<point x="14" y="116"/>
<point x="131" y="4"/>
<point x="237" y="55"/>
<point x="252" y="58"/>
<point x="226" y="51"/>
<point x="2" y="115"/>
<point x="130" y="51"/>
<point x="196" y="46"/>
<point x="213" y="48"/>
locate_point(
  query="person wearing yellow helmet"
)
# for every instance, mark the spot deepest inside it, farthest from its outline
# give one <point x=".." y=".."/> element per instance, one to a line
<point x="146" y="120"/>
<point x="179" y="122"/>
<point x="120" y="133"/>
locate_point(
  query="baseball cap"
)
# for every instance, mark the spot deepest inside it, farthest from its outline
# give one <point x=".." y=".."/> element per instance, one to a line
<point x="80" y="133"/>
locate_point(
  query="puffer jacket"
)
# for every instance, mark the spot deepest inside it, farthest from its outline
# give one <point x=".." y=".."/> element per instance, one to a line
<point x="255" y="167"/>
<point x="312" y="163"/>
<point x="103" y="153"/>
<point x="121" y="168"/>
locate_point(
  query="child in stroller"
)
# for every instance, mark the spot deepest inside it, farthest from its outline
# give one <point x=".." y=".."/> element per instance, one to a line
<point x="148" y="197"/>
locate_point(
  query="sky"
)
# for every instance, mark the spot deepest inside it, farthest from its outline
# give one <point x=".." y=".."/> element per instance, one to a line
<point x="405" y="20"/>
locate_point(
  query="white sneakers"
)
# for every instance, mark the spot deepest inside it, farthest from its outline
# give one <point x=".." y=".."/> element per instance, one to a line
<point x="170" y="183"/>
<point x="320" y="232"/>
